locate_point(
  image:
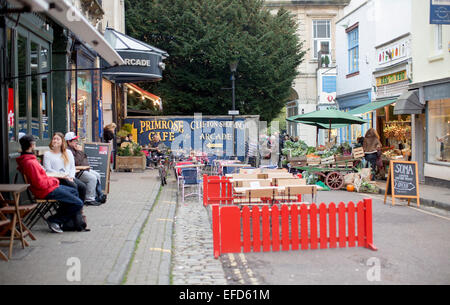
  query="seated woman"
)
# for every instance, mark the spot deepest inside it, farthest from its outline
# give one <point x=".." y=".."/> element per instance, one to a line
<point x="60" y="160"/>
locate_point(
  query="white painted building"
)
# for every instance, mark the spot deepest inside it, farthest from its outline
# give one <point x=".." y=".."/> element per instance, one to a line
<point x="355" y="59"/>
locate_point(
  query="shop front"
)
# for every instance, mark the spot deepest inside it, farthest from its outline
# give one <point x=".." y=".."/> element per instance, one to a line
<point x="28" y="83"/>
<point x="436" y="141"/>
<point x="48" y="82"/>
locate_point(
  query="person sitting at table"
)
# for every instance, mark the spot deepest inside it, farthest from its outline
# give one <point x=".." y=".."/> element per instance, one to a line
<point x="45" y="187"/>
<point x="94" y="194"/>
<point x="60" y="160"/>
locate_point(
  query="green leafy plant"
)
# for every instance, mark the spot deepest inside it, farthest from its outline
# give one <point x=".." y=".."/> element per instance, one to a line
<point x="131" y="150"/>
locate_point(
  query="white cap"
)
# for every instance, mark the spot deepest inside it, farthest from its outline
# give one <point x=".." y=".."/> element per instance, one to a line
<point x="70" y="136"/>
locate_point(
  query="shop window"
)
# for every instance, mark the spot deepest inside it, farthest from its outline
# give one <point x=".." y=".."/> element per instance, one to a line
<point x="22" y="70"/>
<point x="11" y="103"/>
<point x="35" y="99"/>
<point x="31" y="84"/>
<point x="439" y="131"/>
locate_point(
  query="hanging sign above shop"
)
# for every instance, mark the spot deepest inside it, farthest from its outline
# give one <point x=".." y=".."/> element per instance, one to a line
<point x="439" y="11"/>
<point x="391" y="78"/>
<point x="142" y="61"/>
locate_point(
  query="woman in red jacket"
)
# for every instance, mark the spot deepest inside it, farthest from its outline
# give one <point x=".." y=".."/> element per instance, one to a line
<point x="43" y="186"/>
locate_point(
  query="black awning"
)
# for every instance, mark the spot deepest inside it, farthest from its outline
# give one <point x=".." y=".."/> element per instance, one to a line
<point x="408" y="103"/>
<point x="143" y="62"/>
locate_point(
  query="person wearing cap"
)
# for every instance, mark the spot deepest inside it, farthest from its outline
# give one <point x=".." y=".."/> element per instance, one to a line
<point x="43" y="186"/>
<point x="94" y="194"/>
<point x="60" y="160"/>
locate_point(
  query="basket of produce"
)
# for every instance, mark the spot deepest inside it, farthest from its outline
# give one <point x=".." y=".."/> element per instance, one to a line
<point x="327" y="160"/>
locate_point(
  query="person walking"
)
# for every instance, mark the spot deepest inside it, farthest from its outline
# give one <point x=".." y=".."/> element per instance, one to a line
<point x="61" y="160"/>
<point x="371" y="147"/>
<point x="109" y="137"/>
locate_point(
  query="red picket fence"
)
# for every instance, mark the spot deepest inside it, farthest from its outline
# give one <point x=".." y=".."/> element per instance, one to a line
<point x="301" y="227"/>
<point x="217" y="190"/>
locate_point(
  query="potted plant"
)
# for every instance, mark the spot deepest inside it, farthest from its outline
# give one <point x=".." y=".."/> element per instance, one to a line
<point x="130" y="157"/>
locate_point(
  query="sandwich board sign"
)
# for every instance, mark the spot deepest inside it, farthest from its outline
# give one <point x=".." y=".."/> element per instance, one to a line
<point x="402" y="181"/>
<point x="99" y="156"/>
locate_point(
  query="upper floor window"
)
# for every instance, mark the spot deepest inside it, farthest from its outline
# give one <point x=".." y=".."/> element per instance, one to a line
<point x="353" y="50"/>
<point x="321" y="36"/>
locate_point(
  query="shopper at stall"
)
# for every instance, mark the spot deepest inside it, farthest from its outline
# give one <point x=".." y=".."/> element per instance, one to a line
<point x="94" y="194"/>
<point x="372" y="146"/>
<point x="60" y="160"/>
<point x="43" y="186"/>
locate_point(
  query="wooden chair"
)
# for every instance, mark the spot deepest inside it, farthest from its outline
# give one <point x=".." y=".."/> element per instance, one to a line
<point x="43" y="207"/>
<point x="8" y="208"/>
<point x="4" y="223"/>
<point x="290" y="182"/>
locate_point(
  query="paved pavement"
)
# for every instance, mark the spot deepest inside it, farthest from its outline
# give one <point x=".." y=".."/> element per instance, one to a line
<point x="100" y="256"/>
<point x="144" y="235"/>
<point x="193" y="260"/>
<point x="430" y="195"/>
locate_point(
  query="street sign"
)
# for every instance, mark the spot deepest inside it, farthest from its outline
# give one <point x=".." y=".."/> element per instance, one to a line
<point x="233" y="112"/>
<point x="214" y="145"/>
<point x="439" y="11"/>
<point x="402" y="181"/>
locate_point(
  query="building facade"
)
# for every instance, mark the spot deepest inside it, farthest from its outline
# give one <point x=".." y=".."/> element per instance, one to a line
<point x="430" y="45"/>
<point x="316" y="26"/>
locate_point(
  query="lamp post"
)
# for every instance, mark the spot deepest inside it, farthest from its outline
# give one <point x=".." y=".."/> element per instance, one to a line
<point x="233" y="68"/>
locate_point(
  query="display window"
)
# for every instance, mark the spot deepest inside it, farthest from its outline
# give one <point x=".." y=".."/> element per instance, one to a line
<point x="29" y="95"/>
<point x="438" y="122"/>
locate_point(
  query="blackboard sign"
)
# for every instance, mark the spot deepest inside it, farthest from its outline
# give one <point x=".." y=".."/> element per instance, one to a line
<point x="99" y="156"/>
<point x="402" y="181"/>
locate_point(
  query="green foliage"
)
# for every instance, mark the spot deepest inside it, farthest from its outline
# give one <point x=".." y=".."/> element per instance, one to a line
<point x="128" y="127"/>
<point x="132" y="149"/>
<point x="122" y="133"/>
<point x="202" y="37"/>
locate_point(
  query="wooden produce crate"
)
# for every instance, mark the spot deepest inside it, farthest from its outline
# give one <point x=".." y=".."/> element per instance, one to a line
<point x="343" y="158"/>
<point x="297" y="159"/>
<point x="298" y="163"/>
<point x="358" y="153"/>
<point x="313" y="161"/>
<point x="329" y="160"/>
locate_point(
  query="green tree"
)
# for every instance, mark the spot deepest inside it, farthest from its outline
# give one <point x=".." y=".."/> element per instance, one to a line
<point x="202" y="37"/>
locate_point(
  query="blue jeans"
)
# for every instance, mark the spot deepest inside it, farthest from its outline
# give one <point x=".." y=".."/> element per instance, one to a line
<point x="70" y="203"/>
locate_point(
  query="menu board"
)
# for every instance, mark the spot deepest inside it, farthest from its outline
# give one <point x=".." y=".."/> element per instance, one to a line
<point x="402" y="181"/>
<point x="99" y="156"/>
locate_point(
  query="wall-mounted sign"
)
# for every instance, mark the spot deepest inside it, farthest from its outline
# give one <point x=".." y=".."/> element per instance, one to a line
<point x="393" y="52"/>
<point x="186" y="133"/>
<point x="392" y="78"/>
<point x="439" y="11"/>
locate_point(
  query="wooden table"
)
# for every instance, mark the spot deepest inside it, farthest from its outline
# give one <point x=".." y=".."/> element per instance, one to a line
<point x="189" y="165"/>
<point x="15" y="190"/>
<point x="57" y="175"/>
<point x="241" y="190"/>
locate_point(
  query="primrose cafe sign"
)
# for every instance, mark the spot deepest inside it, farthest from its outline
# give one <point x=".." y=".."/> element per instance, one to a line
<point x="142" y="61"/>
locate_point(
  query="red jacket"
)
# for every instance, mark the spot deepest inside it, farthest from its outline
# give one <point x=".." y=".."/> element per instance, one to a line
<point x="40" y="184"/>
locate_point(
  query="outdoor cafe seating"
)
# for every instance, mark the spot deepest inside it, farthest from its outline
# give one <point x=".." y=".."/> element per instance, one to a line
<point x="273" y="187"/>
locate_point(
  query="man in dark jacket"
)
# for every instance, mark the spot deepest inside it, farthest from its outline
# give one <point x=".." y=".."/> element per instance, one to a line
<point x="43" y="186"/>
<point x="94" y="195"/>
